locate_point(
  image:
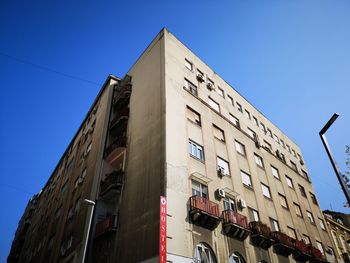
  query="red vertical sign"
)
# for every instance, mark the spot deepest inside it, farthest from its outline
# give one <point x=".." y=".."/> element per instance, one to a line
<point x="162" y="230"/>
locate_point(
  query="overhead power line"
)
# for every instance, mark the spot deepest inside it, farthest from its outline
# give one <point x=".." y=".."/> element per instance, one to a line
<point x="49" y="69"/>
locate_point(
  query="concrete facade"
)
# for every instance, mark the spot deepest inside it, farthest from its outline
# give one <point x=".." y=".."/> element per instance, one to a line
<point x="163" y="130"/>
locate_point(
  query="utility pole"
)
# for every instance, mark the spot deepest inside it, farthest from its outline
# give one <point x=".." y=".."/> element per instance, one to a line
<point x="341" y="178"/>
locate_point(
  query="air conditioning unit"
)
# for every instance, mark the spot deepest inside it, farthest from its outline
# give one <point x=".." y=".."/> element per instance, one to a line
<point x="221" y="172"/>
<point x="210" y="86"/>
<point x="220" y="193"/>
<point x="242" y="204"/>
<point x="200" y="77"/>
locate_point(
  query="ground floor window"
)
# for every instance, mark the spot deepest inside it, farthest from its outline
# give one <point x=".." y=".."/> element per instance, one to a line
<point x="204" y="254"/>
<point x="236" y="258"/>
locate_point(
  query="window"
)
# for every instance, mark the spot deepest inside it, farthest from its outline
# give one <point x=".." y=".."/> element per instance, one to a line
<point x="223" y="166"/>
<point x="294" y="153"/>
<point x="283" y="201"/>
<point x="196" y="150"/>
<point x="247" y="114"/>
<point x="306" y="239"/>
<point x="269" y="132"/>
<point x="188" y="65"/>
<point x="275" y="137"/>
<point x="229" y="204"/>
<point x="283" y="144"/>
<point x="291" y="232"/>
<point x="236" y="258"/>
<point x="300" y="159"/>
<point x="320" y="246"/>
<point x="58" y="212"/>
<point x="88" y="149"/>
<point x="199" y="189"/>
<point x="259" y="161"/>
<point x="305" y="175"/>
<point x="288" y="148"/>
<point x="336" y="240"/>
<point x="83" y="173"/>
<point x="253" y="214"/>
<point x="234" y="120"/>
<point x="274" y="225"/>
<point x="204" y="253"/>
<point x="310" y="217"/>
<point x="313" y="198"/>
<point x="230" y="99"/>
<point x="275" y="172"/>
<point x="266" y="191"/>
<point x="64" y="187"/>
<point x="298" y="210"/>
<point x="262" y="127"/>
<point x="240" y="148"/>
<point x="322" y="225"/>
<point x="256" y="121"/>
<point x="239" y="107"/>
<point x="191" y="87"/>
<point x="302" y="190"/>
<point x="345" y="246"/>
<point x="289" y="182"/>
<point x="218" y="133"/>
<point x="246" y="179"/>
<point x="221" y="92"/>
<point x="214" y="105"/>
<point x="193" y="116"/>
<point x="268" y="145"/>
<point x="251" y="134"/>
<point x="293" y="166"/>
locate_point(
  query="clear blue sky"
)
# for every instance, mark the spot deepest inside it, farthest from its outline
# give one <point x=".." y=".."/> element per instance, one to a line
<point x="291" y="59"/>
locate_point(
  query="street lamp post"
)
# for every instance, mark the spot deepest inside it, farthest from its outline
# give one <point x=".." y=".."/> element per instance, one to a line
<point x="341" y="179"/>
<point x="92" y="205"/>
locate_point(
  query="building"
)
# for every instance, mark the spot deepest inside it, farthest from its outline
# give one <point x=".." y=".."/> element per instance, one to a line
<point x="237" y="188"/>
<point x="339" y="229"/>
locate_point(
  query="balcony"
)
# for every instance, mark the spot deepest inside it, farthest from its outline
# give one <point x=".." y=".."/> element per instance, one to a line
<point x="204" y="213"/>
<point x="111" y="185"/>
<point x="261" y="234"/>
<point x="284" y="244"/>
<point x="235" y="225"/>
<point x="302" y="251"/>
<point x="116" y="146"/>
<point x="316" y="255"/>
<point x="121" y="115"/>
<point x="122" y="93"/>
<point x="109" y="224"/>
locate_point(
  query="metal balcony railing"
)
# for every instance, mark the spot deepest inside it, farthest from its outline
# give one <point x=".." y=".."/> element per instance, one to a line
<point x="122" y="114"/>
<point x="232" y="217"/>
<point x="117" y="143"/>
<point x="283" y="239"/>
<point x="108" y="224"/>
<point x="204" y="205"/>
<point x="112" y="180"/>
<point x="259" y="228"/>
<point x="302" y="247"/>
<point x="317" y="254"/>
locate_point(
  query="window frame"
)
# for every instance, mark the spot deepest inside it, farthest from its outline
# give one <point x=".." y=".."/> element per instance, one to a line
<point x="190" y="64"/>
<point x="283" y="197"/>
<point x="240" y="146"/>
<point x="266" y="191"/>
<point x="213" y="103"/>
<point x="250" y="185"/>
<point x="198" y="146"/>
<point x="195" y="113"/>
<point x="259" y="161"/>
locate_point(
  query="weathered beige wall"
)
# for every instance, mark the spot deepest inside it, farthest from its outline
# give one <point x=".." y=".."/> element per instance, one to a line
<point x="138" y="237"/>
<point x="183" y="236"/>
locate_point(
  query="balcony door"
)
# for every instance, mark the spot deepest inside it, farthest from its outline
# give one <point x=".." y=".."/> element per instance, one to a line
<point x="229" y="204"/>
<point x="199" y="189"/>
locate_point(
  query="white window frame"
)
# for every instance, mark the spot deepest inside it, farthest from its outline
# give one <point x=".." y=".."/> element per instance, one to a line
<point x="213" y="104"/>
<point x="240" y="148"/>
<point x="246" y="179"/>
<point x="266" y="191"/>
<point x="196" y="150"/>
<point x="223" y="164"/>
<point x="189" y="65"/>
<point x="259" y="160"/>
<point x="275" y="172"/>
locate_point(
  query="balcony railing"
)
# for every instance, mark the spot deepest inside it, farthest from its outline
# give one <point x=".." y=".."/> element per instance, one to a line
<point x="232" y="217"/>
<point x="204" y="212"/>
<point x="113" y="180"/>
<point x="317" y="255"/>
<point x="235" y="225"/>
<point x="122" y="92"/>
<point x="107" y="225"/>
<point x="119" y="142"/>
<point x="122" y="114"/>
<point x="284" y="244"/>
<point x="205" y="205"/>
<point x="261" y="234"/>
<point x="302" y="251"/>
